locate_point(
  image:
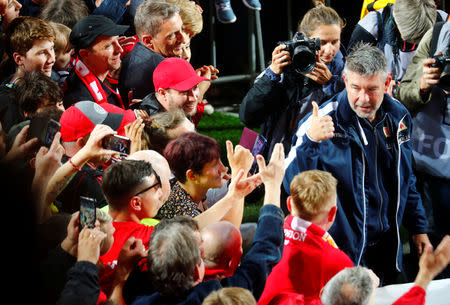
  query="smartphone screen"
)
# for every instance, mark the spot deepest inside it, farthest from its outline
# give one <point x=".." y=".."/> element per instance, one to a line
<point x="117" y="143"/>
<point x="258" y="148"/>
<point x="44" y="129"/>
<point x="87" y="212"/>
<point x="52" y="128"/>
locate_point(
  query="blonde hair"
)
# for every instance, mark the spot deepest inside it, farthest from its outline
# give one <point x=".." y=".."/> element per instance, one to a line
<point x="230" y="296"/>
<point x="309" y="192"/>
<point x="62" y="33"/>
<point x="102" y="216"/>
<point x="190" y="15"/>
<point x="317" y="16"/>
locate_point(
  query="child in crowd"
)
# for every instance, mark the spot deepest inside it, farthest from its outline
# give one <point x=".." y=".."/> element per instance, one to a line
<point x="63" y="52"/>
<point x="28" y="42"/>
<point x="310" y="256"/>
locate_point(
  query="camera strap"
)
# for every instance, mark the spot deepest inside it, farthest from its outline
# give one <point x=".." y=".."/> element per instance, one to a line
<point x="435" y="37"/>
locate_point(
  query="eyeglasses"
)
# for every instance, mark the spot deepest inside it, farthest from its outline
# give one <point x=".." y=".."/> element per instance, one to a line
<point x="158" y="182"/>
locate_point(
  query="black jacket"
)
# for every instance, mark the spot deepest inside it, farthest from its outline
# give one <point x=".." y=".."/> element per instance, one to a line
<point x="277" y="107"/>
<point x="10" y="113"/>
<point x="150" y="104"/>
<point x="76" y="90"/>
<point x="136" y="73"/>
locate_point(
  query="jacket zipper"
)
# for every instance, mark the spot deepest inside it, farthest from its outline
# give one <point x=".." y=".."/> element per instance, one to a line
<point x="398" y="194"/>
<point x="376" y="176"/>
<point x="364" y="207"/>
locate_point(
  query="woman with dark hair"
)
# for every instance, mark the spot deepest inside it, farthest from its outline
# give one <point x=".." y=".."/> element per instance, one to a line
<point x="194" y="160"/>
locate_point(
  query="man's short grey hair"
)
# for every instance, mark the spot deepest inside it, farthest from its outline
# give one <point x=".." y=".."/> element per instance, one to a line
<point x="173" y="256"/>
<point x="150" y="16"/>
<point x="366" y="60"/>
<point x="414" y="18"/>
<point x="350" y="286"/>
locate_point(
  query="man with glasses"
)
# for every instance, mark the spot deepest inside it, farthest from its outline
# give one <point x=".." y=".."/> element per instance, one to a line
<point x="133" y="191"/>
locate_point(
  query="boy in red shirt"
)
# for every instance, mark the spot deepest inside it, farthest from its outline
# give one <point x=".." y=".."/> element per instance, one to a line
<point x="310" y="256"/>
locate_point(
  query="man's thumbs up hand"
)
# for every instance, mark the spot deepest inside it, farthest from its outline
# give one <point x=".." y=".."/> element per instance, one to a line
<point x="322" y="128"/>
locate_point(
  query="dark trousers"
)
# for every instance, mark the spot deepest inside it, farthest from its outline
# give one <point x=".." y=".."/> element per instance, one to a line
<point x="380" y="256"/>
<point x="435" y="193"/>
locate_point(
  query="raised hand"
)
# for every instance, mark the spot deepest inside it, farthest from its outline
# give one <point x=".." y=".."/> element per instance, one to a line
<point x="432" y="263"/>
<point x="272" y="174"/>
<point x="209" y="72"/>
<point x="241" y="187"/>
<point x="322" y="128"/>
<point x="430" y="75"/>
<point x="280" y="59"/>
<point x="131" y="251"/>
<point x="134" y="132"/>
<point x="70" y="243"/>
<point x="48" y="160"/>
<point x="321" y="74"/>
<point x="94" y="147"/>
<point x="21" y="147"/>
<point x="239" y="158"/>
<point x="89" y="244"/>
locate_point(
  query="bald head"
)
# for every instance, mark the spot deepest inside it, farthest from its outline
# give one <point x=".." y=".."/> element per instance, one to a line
<point x="159" y="164"/>
<point x="222" y="245"/>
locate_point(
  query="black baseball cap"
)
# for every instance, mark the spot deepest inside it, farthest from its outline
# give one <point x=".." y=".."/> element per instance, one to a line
<point x="87" y="29"/>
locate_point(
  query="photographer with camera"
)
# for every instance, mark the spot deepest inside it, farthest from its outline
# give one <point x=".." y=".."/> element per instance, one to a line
<point x="305" y="69"/>
<point x="424" y="90"/>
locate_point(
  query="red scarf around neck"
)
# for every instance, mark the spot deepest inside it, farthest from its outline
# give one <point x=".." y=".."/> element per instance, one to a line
<point x="93" y="84"/>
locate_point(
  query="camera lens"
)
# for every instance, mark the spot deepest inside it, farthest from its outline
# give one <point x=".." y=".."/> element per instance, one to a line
<point x="303" y="60"/>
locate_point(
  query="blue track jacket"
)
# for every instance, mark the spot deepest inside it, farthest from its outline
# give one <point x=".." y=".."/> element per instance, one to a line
<point x="344" y="156"/>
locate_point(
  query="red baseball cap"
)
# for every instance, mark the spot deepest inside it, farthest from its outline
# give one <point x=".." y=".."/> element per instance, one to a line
<point x="175" y="73"/>
<point x="80" y="119"/>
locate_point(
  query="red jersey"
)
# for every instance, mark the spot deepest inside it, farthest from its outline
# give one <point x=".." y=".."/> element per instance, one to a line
<point x="416" y="295"/>
<point x="310" y="259"/>
<point x="124" y="230"/>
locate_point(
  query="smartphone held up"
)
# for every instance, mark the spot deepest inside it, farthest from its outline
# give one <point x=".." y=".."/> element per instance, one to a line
<point x="88" y="214"/>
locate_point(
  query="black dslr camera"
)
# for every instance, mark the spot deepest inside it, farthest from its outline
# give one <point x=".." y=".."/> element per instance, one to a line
<point x="443" y="62"/>
<point x="303" y="52"/>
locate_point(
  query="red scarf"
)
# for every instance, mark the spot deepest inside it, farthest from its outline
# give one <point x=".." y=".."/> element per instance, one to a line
<point x="93" y="84"/>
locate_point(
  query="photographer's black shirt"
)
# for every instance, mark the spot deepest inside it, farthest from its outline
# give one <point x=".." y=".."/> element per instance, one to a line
<point x="86" y="182"/>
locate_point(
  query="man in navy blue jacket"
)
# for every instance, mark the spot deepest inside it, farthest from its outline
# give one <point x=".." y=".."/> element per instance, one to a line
<point x="175" y="258"/>
<point x="362" y="136"/>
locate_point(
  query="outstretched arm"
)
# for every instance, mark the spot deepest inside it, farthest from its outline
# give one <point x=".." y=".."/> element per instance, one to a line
<point x="238" y="158"/>
<point x="65" y="173"/>
<point x="267" y="94"/>
<point x="432" y="263"/>
<point x="48" y="160"/>
<point x="272" y="175"/>
<point x="239" y="187"/>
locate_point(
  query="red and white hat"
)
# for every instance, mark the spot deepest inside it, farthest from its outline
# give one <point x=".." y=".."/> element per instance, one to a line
<point x="80" y="119"/>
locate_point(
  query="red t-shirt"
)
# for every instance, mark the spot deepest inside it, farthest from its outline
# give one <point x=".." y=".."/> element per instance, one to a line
<point x="310" y="259"/>
<point x="124" y="230"/>
<point x="416" y="296"/>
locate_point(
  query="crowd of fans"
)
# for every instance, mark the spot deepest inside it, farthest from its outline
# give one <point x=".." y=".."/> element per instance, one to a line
<point x="99" y="104"/>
